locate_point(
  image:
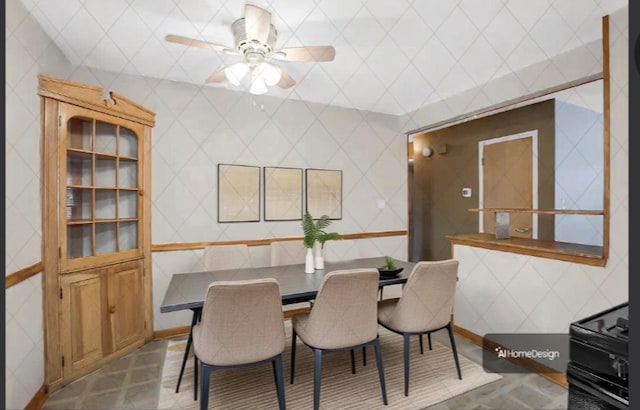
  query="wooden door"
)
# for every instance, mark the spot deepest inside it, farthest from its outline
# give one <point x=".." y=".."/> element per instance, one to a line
<point x="507" y="180"/>
<point x="126" y="304"/>
<point x="83" y="299"/>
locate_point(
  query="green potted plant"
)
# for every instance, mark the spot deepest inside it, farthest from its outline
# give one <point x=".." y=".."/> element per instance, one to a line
<point x="310" y="237"/>
<point x="314" y="232"/>
<point x="321" y="239"/>
<point x="389" y="269"/>
<point x="389" y="264"/>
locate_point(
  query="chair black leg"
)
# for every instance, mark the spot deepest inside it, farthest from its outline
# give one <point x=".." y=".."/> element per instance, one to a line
<point x="421" y="346"/>
<point x="406" y="363"/>
<point x="278" y="374"/>
<point x="378" y="350"/>
<point x="455" y="351"/>
<point x="195" y="377"/>
<point x="194" y="320"/>
<point x="317" y="372"/>
<point x="293" y="353"/>
<point x="429" y="337"/>
<point x="364" y="355"/>
<point x="204" y="396"/>
<point x="353" y="361"/>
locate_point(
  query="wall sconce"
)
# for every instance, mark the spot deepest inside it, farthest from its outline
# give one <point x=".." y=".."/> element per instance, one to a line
<point x="427" y="152"/>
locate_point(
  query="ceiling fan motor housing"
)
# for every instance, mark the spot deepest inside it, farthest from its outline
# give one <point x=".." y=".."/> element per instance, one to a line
<point x="254" y="50"/>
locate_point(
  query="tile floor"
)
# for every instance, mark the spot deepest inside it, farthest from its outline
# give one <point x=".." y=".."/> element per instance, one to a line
<point x="133" y="382"/>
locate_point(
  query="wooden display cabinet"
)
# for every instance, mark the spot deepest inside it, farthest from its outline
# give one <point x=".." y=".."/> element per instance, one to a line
<point x="96" y="227"/>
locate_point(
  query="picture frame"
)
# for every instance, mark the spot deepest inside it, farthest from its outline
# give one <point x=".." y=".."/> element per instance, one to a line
<point x="282" y="193"/>
<point x="323" y="193"/>
<point x="238" y="193"/>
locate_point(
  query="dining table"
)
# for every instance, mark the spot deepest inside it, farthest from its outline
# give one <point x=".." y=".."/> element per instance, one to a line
<point x="187" y="291"/>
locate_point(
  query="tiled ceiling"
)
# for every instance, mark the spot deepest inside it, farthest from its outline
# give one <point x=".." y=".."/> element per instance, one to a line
<point x="391" y="56"/>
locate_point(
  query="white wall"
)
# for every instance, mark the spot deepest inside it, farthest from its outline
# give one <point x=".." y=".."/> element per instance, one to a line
<point x="29" y="52"/>
<point x="504" y="292"/>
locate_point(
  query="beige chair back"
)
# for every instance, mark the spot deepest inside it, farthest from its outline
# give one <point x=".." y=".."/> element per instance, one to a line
<point x="241" y="323"/>
<point x="227" y="257"/>
<point x="345" y="310"/>
<point x="427" y="298"/>
<point x="287" y="253"/>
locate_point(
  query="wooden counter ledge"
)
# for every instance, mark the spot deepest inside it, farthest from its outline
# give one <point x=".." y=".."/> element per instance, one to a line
<point x="570" y="252"/>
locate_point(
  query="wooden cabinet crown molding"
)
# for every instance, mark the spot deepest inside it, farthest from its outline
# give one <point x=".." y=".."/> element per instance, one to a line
<point x="94" y="98"/>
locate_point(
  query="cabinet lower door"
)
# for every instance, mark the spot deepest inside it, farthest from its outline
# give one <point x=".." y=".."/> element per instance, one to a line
<point x="126" y="308"/>
<point x="83" y="306"/>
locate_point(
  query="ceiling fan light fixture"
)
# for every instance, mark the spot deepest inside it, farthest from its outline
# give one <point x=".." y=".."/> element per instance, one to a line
<point x="270" y="74"/>
<point x="236" y="72"/>
<point x="258" y="86"/>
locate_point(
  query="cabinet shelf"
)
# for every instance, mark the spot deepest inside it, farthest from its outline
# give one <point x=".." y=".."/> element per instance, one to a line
<point x="79" y="153"/>
<point x="79" y="221"/>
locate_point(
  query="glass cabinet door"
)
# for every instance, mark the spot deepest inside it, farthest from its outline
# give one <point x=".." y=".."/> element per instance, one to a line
<point x="102" y="188"/>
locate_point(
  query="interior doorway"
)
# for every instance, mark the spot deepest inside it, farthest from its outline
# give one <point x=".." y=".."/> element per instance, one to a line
<point x="508" y="178"/>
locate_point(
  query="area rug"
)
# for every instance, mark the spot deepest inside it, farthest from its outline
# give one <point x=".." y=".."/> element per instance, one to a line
<point x="432" y="379"/>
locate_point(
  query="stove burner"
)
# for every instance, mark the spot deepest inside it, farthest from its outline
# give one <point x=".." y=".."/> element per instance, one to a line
<point x="598" y="368"/>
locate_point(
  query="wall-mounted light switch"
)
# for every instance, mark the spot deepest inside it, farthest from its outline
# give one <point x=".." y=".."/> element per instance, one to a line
<point x="466" y="192"/>
<point x="381" y="203"/>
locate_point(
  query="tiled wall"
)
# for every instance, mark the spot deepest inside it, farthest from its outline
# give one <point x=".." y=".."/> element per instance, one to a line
<point x="504" y="292"/>
<point x="29" y="52"/>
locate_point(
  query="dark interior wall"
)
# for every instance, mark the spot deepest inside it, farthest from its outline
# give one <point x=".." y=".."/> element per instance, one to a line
<point x="437" y="206"/>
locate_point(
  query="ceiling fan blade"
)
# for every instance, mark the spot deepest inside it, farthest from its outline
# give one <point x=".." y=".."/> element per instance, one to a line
<point x="195" y="43"/>
<point x="310" y="53"/>
<point x="257" y="21"/>
<point x="285" y="80"/>
<point x="217" y="77"/>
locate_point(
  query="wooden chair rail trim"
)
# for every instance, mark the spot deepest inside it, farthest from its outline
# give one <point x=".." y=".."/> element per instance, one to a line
<point x="535" y="367"/>
<point x="23" y="274"/>
<point x="170" y="247"/>
<point x="541" y="211"/>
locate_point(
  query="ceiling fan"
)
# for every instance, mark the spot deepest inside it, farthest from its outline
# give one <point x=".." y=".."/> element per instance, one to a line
<point x="255" y="38"/>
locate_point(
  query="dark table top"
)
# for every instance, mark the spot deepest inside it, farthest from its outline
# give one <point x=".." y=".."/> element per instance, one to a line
<point x="187" y="290"/>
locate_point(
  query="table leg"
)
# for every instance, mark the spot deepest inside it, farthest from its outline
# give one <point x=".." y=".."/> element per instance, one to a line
<point x="194" y="320"/>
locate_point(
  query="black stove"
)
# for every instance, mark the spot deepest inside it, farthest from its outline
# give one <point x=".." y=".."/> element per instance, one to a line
<point x="598" y="369"/>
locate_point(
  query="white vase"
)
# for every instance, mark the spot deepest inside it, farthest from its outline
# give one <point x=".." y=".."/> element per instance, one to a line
<point x="308" y="262"/>
<point x="319" y="257"/>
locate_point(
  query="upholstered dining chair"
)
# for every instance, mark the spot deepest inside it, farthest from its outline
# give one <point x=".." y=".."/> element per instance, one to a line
<point x="343" y="317"/>
<point x="226" y="257"/>
<point x="241" y="325"/>
<point x="287" y="253"/>
<point x="424" y="307"/>
<point x="215" y="258"/>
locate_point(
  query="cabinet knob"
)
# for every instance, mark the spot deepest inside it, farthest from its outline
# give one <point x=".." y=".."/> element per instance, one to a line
<point x="112" y="309"/>
<point x="141" y="192"/>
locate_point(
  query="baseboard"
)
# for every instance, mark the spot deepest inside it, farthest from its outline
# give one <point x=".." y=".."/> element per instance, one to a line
<point x="39" y="399"/>
<point x="535" y="367"/>
<point x="171" y="333"/>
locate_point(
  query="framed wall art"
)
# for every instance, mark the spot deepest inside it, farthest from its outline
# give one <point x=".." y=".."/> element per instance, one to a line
<point x="324" y="192"/>
<point x="238" y="193"/>
<point x="282" y="194"/>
